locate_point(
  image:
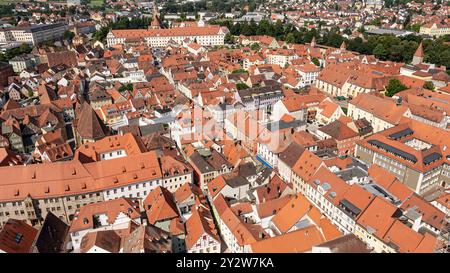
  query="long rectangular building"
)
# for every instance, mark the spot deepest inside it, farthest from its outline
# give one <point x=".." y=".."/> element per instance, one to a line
<point x="204" y="35"/>
<point x="33" y="35"/>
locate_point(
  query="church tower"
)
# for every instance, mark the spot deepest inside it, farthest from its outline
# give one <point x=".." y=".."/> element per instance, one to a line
<point x="313" y="42"/>
<point x="155" y="21"/>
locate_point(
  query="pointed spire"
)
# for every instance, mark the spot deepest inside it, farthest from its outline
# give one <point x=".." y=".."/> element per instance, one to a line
<point x="343" y="46"/>
<point x="313" y="41"/>
<point x="419" y="51"/>
<point x="418" y="55"/>
<point x="155" y="21"/>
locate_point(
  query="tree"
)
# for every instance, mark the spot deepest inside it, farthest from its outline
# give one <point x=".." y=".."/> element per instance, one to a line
<point x="229" y="38"/>
<point x="428" y="85"/>
<point x="361" y="29"/>
<point x="415" y="27"/>
<point x="255" y="46"/>
<point x="380" y="52"/>
<point x="241" y="86"/>
<point x="101" y="34"/>
<point x="13" y="52"/>
<point x="290" y="38"/>
<point x="125" y="87"/>
<point x="315" y="61"/>
<point x="394" y="86"/>
<point x="68" y="35"/>
<point x="385" y="47"/>
<point x="375" y="22"/>
<point x="239" y="71"/>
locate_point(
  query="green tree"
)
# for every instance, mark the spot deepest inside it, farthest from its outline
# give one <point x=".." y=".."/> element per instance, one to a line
<point x="68" y="35"/>
<point x="362" y="30"/>
<point x="126" y="87"/>
<point x="229" y="38"/>
<point x="239" y="71"/>
<point x="415" y="27"/>
<point x="394" y="86"/>
<point x="255" y="46"/>
<point x="375" y="22"/>
<point x="241" y="86"/>
<point x="13" y="52"/>
<point x="380" y="51"/>
<point x="290" y="38"/>
<point x="428" y="85"/>
<point x="100" y="35"/>
<point x="315" y="61"/>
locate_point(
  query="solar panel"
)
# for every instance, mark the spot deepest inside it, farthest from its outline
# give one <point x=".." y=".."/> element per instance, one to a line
<point x="431" y="158"/>
<point x="402" y="133"/>
<point x="393" y="150"/>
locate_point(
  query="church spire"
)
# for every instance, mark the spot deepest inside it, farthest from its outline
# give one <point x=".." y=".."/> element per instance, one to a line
<point x="155" y="21"/>
<point x="419" y="51"/>
<point x="313" y="42"/>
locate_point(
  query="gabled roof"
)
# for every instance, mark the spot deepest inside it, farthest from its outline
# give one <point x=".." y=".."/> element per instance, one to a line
<point x="291" y="213"/>
<point x="381" y="107"/>
<point x="85" y="217"/>
<point x="200" y="223"/>
<point x="378" y="217"/>
<point x="345" y="244"/>
<point x="160" y="206"/>
<point x="430" y="214"/>
<point x="17" y="237"/>
<point x="53" y="235"/>
<point x="147" y="239"/>
<point x="307" y="165"/>
<point x="405" y="240"/>
<point x="298" y="241"/>
<point x="338" y="130"/>
<point x="73" y="177"/>
<point x="272" y="190"/>
<point x="107" y="240"/>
